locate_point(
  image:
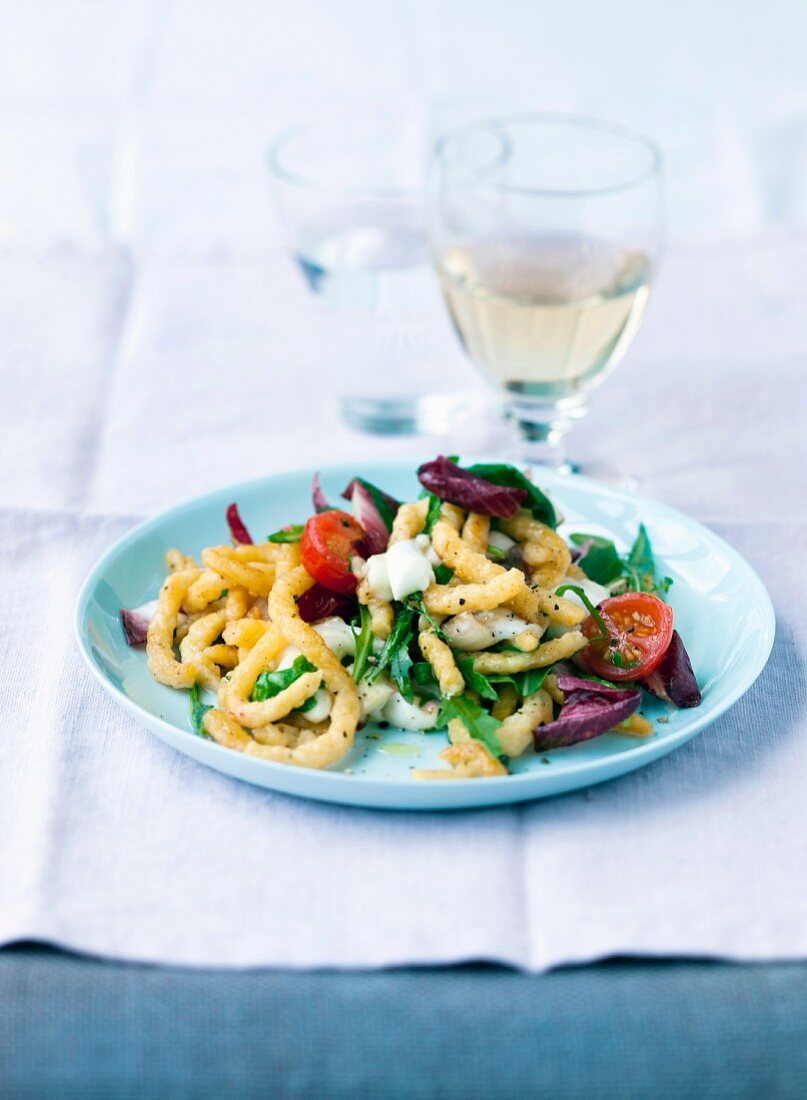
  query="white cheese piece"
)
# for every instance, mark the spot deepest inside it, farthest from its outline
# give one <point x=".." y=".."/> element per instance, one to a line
<point x="500" y="541"/>
<point x="377" y="577"/>
<point x="407" y="716"/>
<point x="338" y="636"/>
<point x="474" y="630"/>
<point x="374" y="697"/>
<point x="408" y="568"/>
<point x="321" y="708"/>
<point x="288" y="656"/>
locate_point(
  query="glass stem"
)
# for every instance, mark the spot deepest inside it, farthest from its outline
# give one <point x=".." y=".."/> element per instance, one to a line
<point x="542" y="428"/>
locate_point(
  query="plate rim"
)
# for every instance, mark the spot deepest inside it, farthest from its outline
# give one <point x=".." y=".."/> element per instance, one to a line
<point x="641" y="753"/>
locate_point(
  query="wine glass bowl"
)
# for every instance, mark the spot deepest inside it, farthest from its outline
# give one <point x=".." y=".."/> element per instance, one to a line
<point x="545" y="232"/>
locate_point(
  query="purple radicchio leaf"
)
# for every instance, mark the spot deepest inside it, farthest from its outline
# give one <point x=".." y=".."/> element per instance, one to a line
<point x="368" y="516"/>
<point x="319" y="602"/>
<point x="318" y="497"/>
<point x="673" y="679"/>
<point x="238" y="530"/>
<point x="450" y="482"/>
<point x="584" y="715"/>
<point x="569" y="683"/>
<point x="392" y="504"/>
<point x="135" y="623"/>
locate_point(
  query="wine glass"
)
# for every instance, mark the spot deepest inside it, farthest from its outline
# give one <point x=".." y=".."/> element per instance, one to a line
<point x="545" y="232"/>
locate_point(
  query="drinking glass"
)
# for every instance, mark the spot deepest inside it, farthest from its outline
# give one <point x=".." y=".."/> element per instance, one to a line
<point x="349" y="191"/>
<point x="545" y="232"/>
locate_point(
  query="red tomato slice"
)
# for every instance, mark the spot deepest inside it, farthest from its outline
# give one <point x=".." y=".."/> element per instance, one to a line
<point x="640" y="627"/>
<point x="328" y="543"/>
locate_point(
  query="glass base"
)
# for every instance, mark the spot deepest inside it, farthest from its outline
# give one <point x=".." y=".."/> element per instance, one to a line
<point x="542" y="427"/>
<point x="427" y="415"/>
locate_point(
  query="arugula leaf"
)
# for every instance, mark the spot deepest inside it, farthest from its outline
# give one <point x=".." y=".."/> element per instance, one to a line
<point x="479" y="724"/>
<point x="423" y="674"/>
<point x="475" y="680"/>
<point x="533" y="680"/>
<point x="526" y="683"/>
<point x="640" y="567"/>
<point x="502" y="474"/>
<point x="270" y="684"/>
<point x="442" y="574"/>
<point x="416" y="599"/>
<point x="641" y="553"/>
<point x="433" y="512"/>
<point x="292" y="533"/>
<point x="364" y="643"/>
<point x="399" y="666"/>
<point x="198" y="710"/>
<point x="601" y="562"/>
<point x="604" y="634"/>
<point x="618" y="661"/>
<point x="395" y="654"/>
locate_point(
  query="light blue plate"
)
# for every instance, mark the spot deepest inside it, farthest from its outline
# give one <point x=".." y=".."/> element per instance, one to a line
<point x="721" y="609"/>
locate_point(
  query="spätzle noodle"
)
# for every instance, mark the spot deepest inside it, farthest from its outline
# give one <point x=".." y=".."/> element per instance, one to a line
<point x="462" y="651"/>
<point x="443" y="599"/>
<point x="444" y="667"/>
<point x="548" y="653"/>
<point x="162" y="664"/>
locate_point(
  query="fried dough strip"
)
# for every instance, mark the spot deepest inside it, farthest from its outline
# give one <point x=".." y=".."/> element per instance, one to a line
<point x="200" y="636"/>
<point x="206" y="589"/>
<point x="327" y="748"/>
<point x="410" y="519"/>
<point x="543" y="550"/>
<point x="467" y="760"/>
<point x="161" y="661"/>
<point x="444" y="599"/>
<point x="257" y="577"/>
<point x="260" y="659"/>
<point x="531" y="604"/>
<point x="546" y="654"/>
<point x="515" y="732"/>
<point x="245" y="633"/>
<point x="475" y="532"/>
<point x="444" y="667"/>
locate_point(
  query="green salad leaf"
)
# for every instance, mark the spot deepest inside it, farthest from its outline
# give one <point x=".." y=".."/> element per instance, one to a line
<point x="475" y="680"/>
<point x="433" y="512"/>
<point x="364" y="643"/>
<point x="416" y="601"/>
<point x="395" y="654"/>
<point x="603" y="563"/>
<point x="604" y="634"/>
<point x="270" y="684"/>
<point x="481" y="725"/>
<point x="198" y="710"/>
<point x="292" y="533"/>
<point x="502" y="474"/>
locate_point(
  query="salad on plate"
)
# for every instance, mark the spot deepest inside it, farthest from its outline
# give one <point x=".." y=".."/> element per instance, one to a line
<point x="463" y="611"/>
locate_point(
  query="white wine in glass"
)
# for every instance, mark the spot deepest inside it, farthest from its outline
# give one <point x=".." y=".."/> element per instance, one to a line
<point x="546" y="285"/>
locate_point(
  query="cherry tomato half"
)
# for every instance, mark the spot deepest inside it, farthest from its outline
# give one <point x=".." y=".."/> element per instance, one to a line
<point x="328" y="543"/>
<point x="639" y="626"/>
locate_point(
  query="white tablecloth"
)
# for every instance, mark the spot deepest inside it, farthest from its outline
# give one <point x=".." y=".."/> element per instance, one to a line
<point x="155" y="343"/>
